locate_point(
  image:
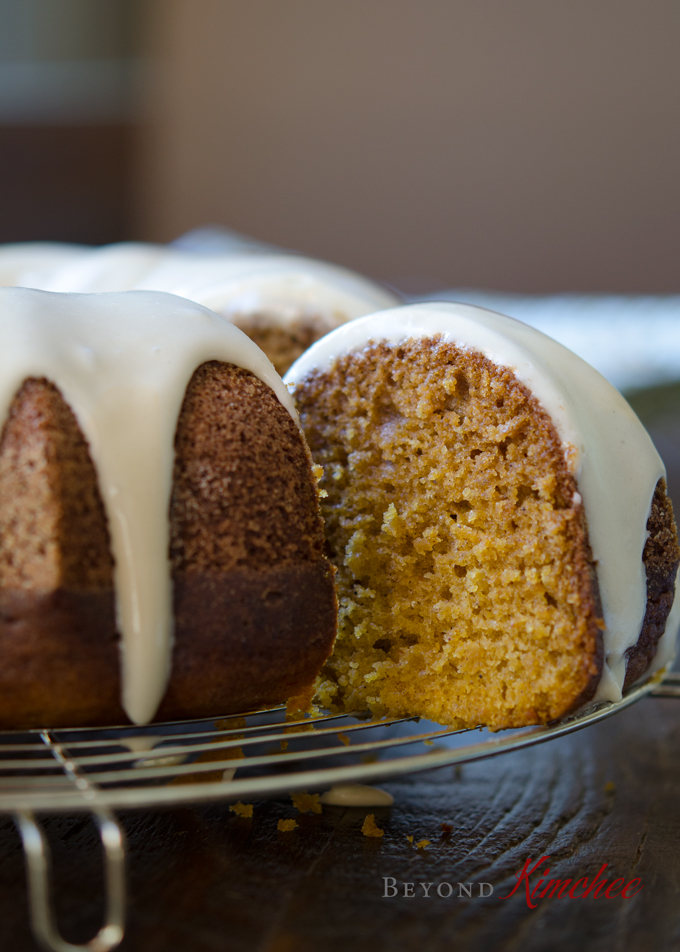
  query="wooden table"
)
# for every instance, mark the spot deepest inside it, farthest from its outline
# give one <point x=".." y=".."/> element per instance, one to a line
<point x="205" y="880"/>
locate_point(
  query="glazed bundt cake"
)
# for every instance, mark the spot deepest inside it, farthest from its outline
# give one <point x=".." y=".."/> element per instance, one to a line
<point x="505" y="547"/>
<point x="283" y="302"/>
<point x="161" y="548"/>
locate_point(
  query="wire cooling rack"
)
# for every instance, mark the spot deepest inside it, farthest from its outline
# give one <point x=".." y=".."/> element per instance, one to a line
<point x="254" y="755"/>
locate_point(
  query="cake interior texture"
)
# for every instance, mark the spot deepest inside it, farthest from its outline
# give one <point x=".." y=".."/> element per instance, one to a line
<point x="466" y="583"/>
<point x="284" y="340"/>
<point x="254" y="601"/>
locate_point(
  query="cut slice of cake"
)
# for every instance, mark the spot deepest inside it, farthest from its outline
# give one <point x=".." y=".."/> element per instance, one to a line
<point x="505" y="547"/>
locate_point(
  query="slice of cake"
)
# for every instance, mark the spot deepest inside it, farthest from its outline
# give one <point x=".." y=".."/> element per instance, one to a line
<point x="506" y="550"/>
<point x="161" y="547"/>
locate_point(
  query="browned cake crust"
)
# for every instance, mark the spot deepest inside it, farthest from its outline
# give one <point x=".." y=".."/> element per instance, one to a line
<point x="254" y="598"/>
<point x="661" y="557"/>
<point x="247" y="545"/>
<point x="59" y="658"/>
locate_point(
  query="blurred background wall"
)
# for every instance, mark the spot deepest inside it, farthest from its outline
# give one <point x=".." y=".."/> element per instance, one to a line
<point x="68" y="72"/>
<point x="528" y="145"/>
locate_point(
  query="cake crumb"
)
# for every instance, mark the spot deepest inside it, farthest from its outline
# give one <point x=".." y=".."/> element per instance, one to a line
<point x="370" y="828"/>
<point x="286" y="826"/>
<point x="409" y="838"/>
<point x="610" y="787"/>
<point x="447" y="829"/>
<point x="284" y="745"/>
<point x="421" y="844"/>
<point x="242" y="809"/>
<point x="306" y="802"/>
<point x="345" y="739"/>
<point x="430" y="743"/>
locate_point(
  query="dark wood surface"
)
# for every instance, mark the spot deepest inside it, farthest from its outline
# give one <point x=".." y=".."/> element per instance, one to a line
<point x="204" y="880"/>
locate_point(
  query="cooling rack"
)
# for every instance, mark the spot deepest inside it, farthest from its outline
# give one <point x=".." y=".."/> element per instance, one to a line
<point x="255" y="755"/>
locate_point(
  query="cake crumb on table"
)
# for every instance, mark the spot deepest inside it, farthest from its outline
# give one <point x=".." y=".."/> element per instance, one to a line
<point x="447" y="829"/>
<point x="421" y="844"/>
<point x="370" y="828"/>
<point x="306" y="802"/>
<point x="409" y="838"/>
<point x="344" y="739"/>
<point x="242" y="809"/>
<point x="286" y="826"/>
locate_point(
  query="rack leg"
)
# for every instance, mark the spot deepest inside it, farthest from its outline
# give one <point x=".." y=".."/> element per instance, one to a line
<point x="38" y="862"/>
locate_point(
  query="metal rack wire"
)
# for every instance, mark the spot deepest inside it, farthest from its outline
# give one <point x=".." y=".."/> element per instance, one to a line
<point x="255" y="755"/>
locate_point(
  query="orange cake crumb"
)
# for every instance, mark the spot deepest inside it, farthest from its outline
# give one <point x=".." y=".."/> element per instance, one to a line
<point x="306" y="802"/>
<point x="344" y="739"/>
<point x="286" y="826"/>
<point x="242" y="809"/>
<point x="421" y="844"/>
<point x="370" y="827"/>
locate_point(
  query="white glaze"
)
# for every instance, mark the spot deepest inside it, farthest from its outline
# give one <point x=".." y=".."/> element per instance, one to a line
<point x="356" y="795"/>
<point x="281" y="286"/>
<point x="606" y="447"/>
<point x="119" y="267"/>
<point x="235" y="284"/>
<point x="26" y="262"/>
<point x="122" y="362"/>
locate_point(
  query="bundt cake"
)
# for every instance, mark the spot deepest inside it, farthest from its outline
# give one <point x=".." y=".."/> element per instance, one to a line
<point x="283" y="302"/>
<point x="161" y="547"/>
<point x="505" y="547"/>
